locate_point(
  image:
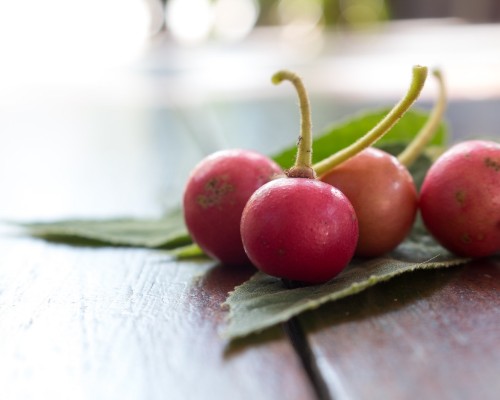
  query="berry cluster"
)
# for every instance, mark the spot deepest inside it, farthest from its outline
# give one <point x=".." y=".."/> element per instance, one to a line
<point x="307" y="223"/>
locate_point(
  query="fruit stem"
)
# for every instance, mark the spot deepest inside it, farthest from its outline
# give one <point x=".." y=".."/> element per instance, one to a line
<point x="417" y="145"/>
<point x="303" y="161"/>
<point x="418" y="79"/>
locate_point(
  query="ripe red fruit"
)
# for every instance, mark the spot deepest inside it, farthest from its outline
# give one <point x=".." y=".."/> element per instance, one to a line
<point x="377" y="184"/>
<point x="460" y="199"/>
<point x="299" y="229"/>
<point x="383" y="195"/>
<point x="215" y="195"/>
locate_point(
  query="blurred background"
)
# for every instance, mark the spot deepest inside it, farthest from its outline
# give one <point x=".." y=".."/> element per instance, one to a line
<point x="106" y="105"/>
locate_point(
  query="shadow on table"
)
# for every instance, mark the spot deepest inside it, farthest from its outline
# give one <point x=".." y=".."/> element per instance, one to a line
<point x="400" y="292"/>
<point x="217" y="283"/>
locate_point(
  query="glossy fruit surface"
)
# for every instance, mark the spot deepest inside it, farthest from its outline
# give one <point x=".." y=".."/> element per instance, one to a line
<point x="460" y="199"/>
<point x="299" y="229"/>
<point x="215" y="195"/>
<point x="383" y="195"/>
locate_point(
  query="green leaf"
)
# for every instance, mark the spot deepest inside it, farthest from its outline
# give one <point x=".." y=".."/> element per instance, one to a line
<point x="264" y="301"/>
<point x="167" y="232"/>
<point x="187" y="252"/>
<point x="345" y="132"/>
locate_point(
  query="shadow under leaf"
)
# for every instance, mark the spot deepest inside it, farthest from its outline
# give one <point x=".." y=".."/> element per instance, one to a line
<point x="384" y="298"/>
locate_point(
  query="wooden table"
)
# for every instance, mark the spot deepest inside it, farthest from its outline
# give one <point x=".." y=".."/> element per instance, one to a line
<point x="84" y="322"/>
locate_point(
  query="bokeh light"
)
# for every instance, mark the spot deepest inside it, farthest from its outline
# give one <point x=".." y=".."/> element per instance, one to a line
<point x="195" y="21"/>
<point x="362" y="13"/>
<point x="302" y="13"/>
<point x="44" y="39"/>
<point x="189" y="21"/>
<point x="234" y="19"/>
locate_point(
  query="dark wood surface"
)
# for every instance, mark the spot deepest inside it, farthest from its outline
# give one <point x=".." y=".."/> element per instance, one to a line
<point x="105" y="323"/>
<point x="430" y="334"/>
<point x="101" y="323"/>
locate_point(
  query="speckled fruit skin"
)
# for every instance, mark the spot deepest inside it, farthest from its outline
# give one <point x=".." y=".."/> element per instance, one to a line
<point x="216" y="193"/>
<point x="460" y="199"/>
<point x="383" y="195"/>
<point x="299" y="229"/>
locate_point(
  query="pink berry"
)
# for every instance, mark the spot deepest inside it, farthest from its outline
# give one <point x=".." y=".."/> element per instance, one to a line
<point x="383" y="195"/>
<point x="215" y="195"/>
<point x="460" y="199"/>
<point x="299" y="229"/>
<point x="379" y="187"/>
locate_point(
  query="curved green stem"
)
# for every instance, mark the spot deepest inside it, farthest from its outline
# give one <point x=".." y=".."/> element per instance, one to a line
<point x="417" y="145"/>
<point x="418" y="79"/>
<point x="303" y="162"/>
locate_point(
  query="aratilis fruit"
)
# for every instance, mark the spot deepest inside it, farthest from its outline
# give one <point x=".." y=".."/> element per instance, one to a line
<point x="460" y="199"/>
<point x="379" y="187"/>
<point x="216" y="193"/>
<point x="384" y="196"/>
<point x="299" y="229"/>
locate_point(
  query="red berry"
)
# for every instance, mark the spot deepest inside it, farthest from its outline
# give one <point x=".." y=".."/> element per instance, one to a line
<point x="379" y="187"/>
<point x="299" y="229"/>
<point x="460" y="199"/>
<point x="383" y="195"/>
<point x="215" y="195"/>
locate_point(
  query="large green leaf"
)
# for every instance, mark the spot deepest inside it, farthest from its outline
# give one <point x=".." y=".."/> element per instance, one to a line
<point x="264" y="301"/>
<point x="343" y="133"/>
<point x="166" y="232"/>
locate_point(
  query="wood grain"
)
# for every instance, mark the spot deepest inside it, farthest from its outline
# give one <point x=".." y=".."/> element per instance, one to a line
<point x="117" y="323"/>
<point x="426" y="335"/>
